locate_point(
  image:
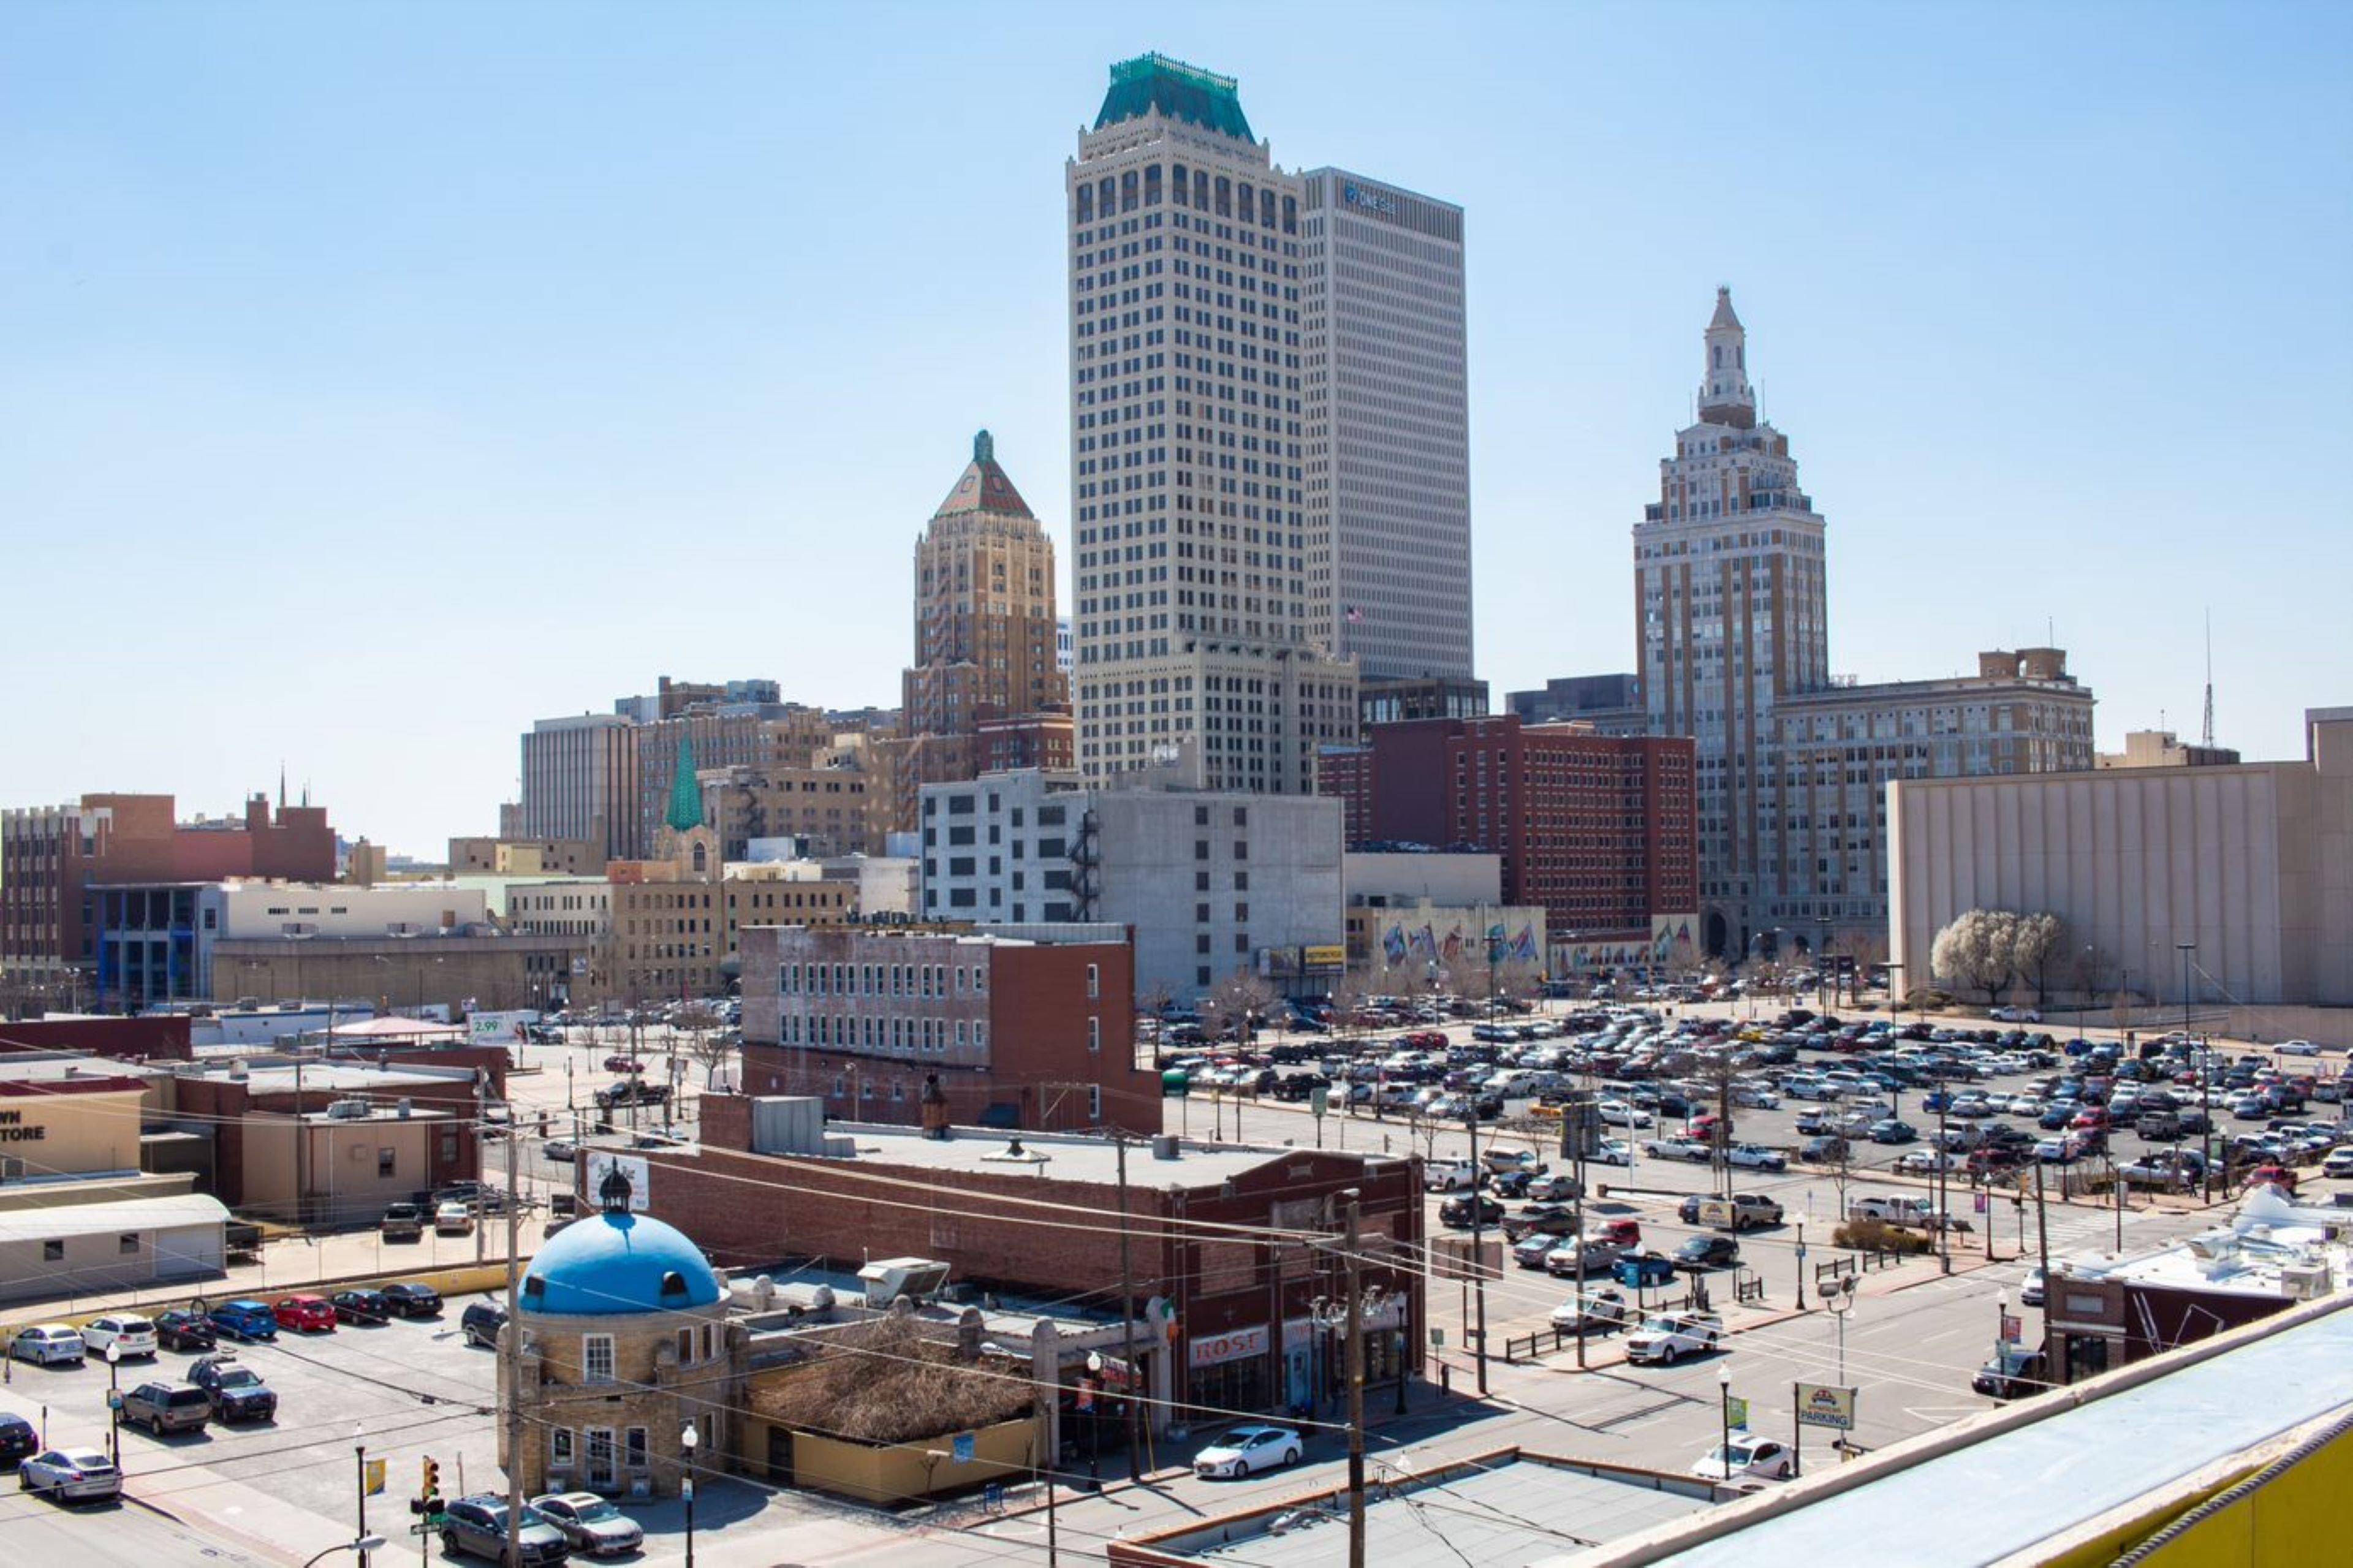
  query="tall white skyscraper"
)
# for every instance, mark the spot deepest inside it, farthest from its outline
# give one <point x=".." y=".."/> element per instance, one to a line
<point x="1194" y="633"/>
<point x="1386" y="457"/>
<point x="1729" y="571"/>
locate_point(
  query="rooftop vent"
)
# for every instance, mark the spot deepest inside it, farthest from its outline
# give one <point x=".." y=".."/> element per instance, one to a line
<point x="1013" y="1153"/>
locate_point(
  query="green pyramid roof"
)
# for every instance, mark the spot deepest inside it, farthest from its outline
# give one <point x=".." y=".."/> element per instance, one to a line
<point x="685" y="813"/>
<point x="1179" y="92"/>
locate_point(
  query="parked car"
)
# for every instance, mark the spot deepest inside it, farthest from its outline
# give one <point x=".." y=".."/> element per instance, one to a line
<point x="1599" y="1312"/>
<point x="1755" y="1157"/>
<point x="591" y="1524"/>
<point x="2029" y="1294"/>
<point x="48" y="1344"/>
<point x="18" y="1441"/>
<point x="130" y="1334"/>
<point x="306" y="1314"/>
<point x="1825" y="1149"/>
<point x="163" y="1407"/>
<point x="1245" y="1450"/>
<point x="1707" y="1252"/>
<point x="2272" y="1175"/>
<point x="1459" y="1210"/>
<point x="560" y="1149"/>
<point x="237" y="1392"/>
<point x="70" y="1475"/>
<point x="179" y="1329"/>
<point x="1559" y="1187"/>
<point x="2012" y="1374"/>
<point x="1667" y="1337"/>
<point x="409" y="1298"/>
<point x="455" y="1217"/>
<point x="402" y="1222"/>
<point x="1611" y="1152"/>
<point x="364" y="1306"/>
<point x="1746" y="1457"/>
<point x="480" y="1323"/>
<point x="1540" y="1220"/>
<point x="1741" y="1211"/>
<point x="1891" y="1131"/>
<point x="477" y="1527"/>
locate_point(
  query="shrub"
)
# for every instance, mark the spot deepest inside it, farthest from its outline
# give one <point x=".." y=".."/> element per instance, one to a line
<point x="1877" y="1236"/>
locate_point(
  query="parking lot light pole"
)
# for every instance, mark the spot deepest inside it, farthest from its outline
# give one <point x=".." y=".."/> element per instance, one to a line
<point x="359" y="1456"/>
<point x="1723" y="1418"/>
<point x="686" y="1442"/>
<point x="114" y="1402"/>
<point x="1801" y="1266"/>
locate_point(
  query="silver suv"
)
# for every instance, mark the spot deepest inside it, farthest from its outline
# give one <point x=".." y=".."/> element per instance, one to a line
<point x="163" y="1407"/>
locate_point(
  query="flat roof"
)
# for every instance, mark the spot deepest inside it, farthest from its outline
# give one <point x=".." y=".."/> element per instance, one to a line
<point x="278" y="1079"/>
<point x="68" y="1220"/>
<point x="2071" y="1466"/>
<point x="1066" y="1157"/>
<point x="1512" y="1515"/>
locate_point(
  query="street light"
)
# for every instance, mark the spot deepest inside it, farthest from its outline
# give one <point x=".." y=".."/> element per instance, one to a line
<point x="1723" y="1418"/>
<point x="687" y="1438"/>
<point x="359" y="1454"/>
<point x="1839" y="1297"/>
<point x="114" y="1402"/>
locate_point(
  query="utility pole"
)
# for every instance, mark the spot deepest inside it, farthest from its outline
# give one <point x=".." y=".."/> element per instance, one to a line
<point x="1576" y="1126"/>
<point x="1128" y="1400"/>
<point x="481" y="1137"/>
<point x="1356" y="1392"/>
<point x="2043" y="1234"/>
<point x="1478" y="1264"/>
<point x="510" y="1352"/>
<point x="1945" y="1186"/>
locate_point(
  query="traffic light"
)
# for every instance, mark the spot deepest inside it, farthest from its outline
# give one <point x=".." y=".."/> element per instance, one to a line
<point x="428" y="1489"/>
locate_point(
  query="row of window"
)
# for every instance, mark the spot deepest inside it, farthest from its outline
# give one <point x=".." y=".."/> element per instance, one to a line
<point x="928" y="980"/>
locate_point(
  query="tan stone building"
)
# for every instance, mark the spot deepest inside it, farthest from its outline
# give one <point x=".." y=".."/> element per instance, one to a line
<point x="625" y="1345"/>
<point x="527" y="857"/>
<point x="836" y="805"/>
<point x="985" y="629"/>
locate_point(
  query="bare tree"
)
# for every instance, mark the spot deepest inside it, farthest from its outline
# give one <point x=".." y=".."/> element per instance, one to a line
<point x="708" y="1044"/>
<point x="1348" y="998"/>
<point x="2036" y="941"/>
<point x="1518" y="980"/>
<point x="1237" y="1001"/>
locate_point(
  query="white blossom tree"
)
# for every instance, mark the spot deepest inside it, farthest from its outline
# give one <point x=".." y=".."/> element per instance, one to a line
<point x="1993" y="950"/>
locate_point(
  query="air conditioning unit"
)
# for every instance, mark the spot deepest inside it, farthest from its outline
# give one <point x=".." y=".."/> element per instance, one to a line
<point x="350" y="1110"/>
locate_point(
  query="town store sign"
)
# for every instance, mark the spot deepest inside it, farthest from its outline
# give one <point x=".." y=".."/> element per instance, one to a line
<point x="14" y="1130"/>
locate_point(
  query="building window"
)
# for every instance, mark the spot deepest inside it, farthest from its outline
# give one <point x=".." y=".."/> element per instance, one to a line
<point x="127" y="1244"/>
<point x="53" y="1251"/>
<point x="559" y="1448"/>
<point x="1094" y="1102"/>
<point x="685" y="1347"/>
<point x="387" y="1164"/>
<point x="633" y="1452"/>
<point x="1095" y="1033"/>
<point x="595" y="1357"/>
<point x="1094" y="980"/>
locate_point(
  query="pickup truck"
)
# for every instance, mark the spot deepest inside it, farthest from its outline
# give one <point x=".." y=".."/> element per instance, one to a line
<point x="403" y="1222"/>
<point x="1739" y="1212"/>
<point x="1690" y="1149"/>
<point x="632" y="1091"/>
<point x="1918" y="1213"/>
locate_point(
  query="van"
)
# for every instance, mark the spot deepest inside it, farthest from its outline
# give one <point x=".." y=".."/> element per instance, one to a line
<point x="1741" y="1211"/>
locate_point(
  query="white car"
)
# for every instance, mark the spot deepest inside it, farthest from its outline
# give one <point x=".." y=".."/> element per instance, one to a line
<point x="1665" y="1338"/>
<point x="72" y="1475"/>
<point x="1245" y="1450"/>
<point x="1756" y="1099"/>
<point x="455" y="1217"/>
<point x="1747" y="1457"/>
<point x="591" y="1523"/>
<point x="2016" y="1016"/>
<point x="1611" y="1152"/>
<point x="45" y="1344"/>
<point x="1755" y="1157"/>
<point x="2298" y="1048"/>
<point x="1617" y="1113"/>
<point x="132" y="1334"/>
<point x="2340" y="1162"/>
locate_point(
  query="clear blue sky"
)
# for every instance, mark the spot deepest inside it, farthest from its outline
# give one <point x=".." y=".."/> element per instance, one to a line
<point x="379" y="378"/>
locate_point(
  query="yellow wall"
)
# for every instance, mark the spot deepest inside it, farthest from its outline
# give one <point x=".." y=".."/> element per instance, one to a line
<point x="2293" y="1518"/>
<point x="873" y="1475"/>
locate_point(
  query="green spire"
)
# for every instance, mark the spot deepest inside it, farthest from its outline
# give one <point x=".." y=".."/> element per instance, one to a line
<point x="685" y="812"/>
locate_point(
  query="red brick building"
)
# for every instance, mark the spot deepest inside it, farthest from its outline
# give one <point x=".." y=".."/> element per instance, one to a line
<point x="1239" y="1331"/>
<point x="1043" y="739"/>
<point x="149" y="1037"/>
<point x="1018" y="1032"/>
<point x="49" y="856"/>
<point x="1600" y="830"/>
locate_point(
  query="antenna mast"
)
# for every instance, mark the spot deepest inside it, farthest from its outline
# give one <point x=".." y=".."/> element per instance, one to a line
<point x="2206" y="737"/>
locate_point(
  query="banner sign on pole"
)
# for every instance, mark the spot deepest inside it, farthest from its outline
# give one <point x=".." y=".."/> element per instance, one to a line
<point x="1736" y="1410"/>
<point x="2012" y="1330"/>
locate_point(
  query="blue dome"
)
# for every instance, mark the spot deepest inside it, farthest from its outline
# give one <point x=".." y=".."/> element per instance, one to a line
<point x="609" y="1262"/>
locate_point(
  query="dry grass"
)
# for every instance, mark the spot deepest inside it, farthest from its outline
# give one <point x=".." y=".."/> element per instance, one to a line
<point x="883" y="1383"/>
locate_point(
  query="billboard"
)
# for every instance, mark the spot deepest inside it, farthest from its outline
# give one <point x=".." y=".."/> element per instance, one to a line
<point x="1826" y="1404"/>
<point x="633" y="1169"/>
<point x="485" y="1028"/>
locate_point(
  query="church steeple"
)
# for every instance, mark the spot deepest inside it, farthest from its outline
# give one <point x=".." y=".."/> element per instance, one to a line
<point x="1724" y="397"/>
<point x="685" y="813"/>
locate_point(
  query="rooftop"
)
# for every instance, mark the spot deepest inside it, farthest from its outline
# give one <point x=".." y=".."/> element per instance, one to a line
<point x="2271" y="1249"/>
<point x="1179" y="91"/>
<point x="1509" y="1508"/>
<point x="1061" y="1156"/>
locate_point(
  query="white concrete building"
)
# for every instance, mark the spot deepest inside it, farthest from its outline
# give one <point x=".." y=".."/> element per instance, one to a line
<point x="194" y="916"/>
<point x="2253" y="863"/>
<point x="1190" y="615"/>
<point x="1388" y="444"/>
<point x="580" y="780"/>
<point x="1210" y="881"/>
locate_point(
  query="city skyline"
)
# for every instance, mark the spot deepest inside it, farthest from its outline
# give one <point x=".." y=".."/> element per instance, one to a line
<point x="413" y="388"/>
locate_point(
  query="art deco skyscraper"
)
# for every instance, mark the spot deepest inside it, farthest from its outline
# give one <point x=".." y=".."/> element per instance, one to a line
<point x="984" y="624"/>
<point x="1731" y="591"/>
<point x="1195" y="642"/>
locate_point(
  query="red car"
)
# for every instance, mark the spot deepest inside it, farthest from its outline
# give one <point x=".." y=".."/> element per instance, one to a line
<point x="311" y="1314"/>
<point x="2279" y="1176"/>
<point x="624" y="1064"/>
<point x="1616" y="1232"/>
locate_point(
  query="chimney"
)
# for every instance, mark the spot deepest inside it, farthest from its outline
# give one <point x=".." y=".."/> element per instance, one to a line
<point x="935" y="1103"/>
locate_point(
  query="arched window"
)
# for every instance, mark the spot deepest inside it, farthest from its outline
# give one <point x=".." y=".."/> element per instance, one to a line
<point x="1152" y="185"/>
<point x="1225" y="196"/>
<point x="1177" y="192"/>
<point x="1107" y="195"/>
<point x="1127" y="189"/>
<point x="701" y="859"/>
<point x="1718" y="352"/>
<point x="1086" y="203"/>
<point x="673" y="1284"/>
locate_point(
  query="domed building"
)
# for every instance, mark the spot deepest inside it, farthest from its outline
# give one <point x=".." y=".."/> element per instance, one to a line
<point x="625" y="1345"/>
